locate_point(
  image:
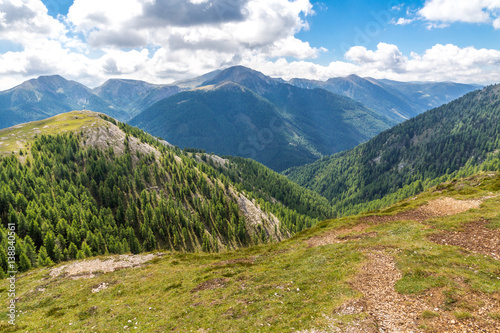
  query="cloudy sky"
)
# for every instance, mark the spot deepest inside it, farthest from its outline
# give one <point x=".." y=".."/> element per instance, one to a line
<point x="166" y="40"/>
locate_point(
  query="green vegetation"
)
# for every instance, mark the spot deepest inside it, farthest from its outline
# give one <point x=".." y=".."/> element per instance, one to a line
<point x="70" y="200"/>
<point x="280" y="287"/>
<point x="244" y="113"/>
<point x="17" y="138"/>
<point x="268" y="185"/>
<point x="453" y="140"/>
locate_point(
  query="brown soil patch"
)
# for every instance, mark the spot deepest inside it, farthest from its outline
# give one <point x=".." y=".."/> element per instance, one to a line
<point x="449" y="206"/>
<point x="476" y="238"/>
<point x="211" y="284"/>
<point x="391" y="311"/>
<point x="87" y="269"/>
<point x="340" y="236"/>
<point x="436" y="208"/>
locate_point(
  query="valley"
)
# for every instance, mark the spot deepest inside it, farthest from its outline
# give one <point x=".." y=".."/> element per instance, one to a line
<point x="227" y="243"/>
<point x="277" y="166"/>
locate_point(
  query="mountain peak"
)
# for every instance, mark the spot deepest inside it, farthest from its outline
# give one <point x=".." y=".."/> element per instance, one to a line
<point x="245" y="76"/>
<point x="45" y="81"/>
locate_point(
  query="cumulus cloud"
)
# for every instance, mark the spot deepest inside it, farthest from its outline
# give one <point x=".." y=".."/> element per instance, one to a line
<point x="99" y="39"/>
<point x="227" y="25"/>
<point x="24" y="21"/>
<point x="469" y="11"/>
<point x="191" y="13"/>
<point x="386" y="57"/>
<point x="439" y="63"/>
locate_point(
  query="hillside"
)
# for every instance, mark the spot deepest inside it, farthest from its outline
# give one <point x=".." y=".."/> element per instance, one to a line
<point x="398" y="101"/>
<point x="47" y="96"/>
<point x="80" y="184"/>
<point x="420" y="152"/>
<point x="245" y="113"/>
<point x="427" y="264"/>
<point x="133" y="96"/>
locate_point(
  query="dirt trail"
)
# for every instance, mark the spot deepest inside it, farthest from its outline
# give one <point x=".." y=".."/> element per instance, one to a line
<point x="435" y="208"/>
<point x="476" y="238"/>
<point x="340" y="236"/>
<point x="391" y="311"/>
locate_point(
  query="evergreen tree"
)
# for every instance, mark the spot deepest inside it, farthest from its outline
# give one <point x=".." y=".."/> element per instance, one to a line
<point x="43" y="257"/>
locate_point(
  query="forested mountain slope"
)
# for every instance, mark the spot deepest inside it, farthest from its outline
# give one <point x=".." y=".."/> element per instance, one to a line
<point x="416" y="153"/>
<point x="80" y="184"/>
<point x="427" y="264"/>
<point x="245" y="113"/>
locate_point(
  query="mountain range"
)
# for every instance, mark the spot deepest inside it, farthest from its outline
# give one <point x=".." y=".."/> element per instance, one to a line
<point x="398" y="101"/>
<point x="239" y="111"/>
<point x="88" y="195"/>
<point x="112" y="188"/>
<point x="245" y="113"/>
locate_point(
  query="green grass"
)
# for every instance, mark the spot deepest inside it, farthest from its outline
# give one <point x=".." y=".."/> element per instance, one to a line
<point x="462" y="315"/>
<point x="19" y="137"/>
<point x="279" y="287"/>
<point x="429" y="314"/>
<point x="494" y="223"/>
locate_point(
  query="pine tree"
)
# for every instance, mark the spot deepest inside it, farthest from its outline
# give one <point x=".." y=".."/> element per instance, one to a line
<point x="86" y="249"/>
<point x="43" y="257"/>
<point x="29" y="249"/>
<point x="58" y="253"/>
<point x="24" y="263"/>
<point x="206" y="243"/>
<point x="49" y="243"/>
<point x="80" y="255"/>
<point x="72" y="250"/>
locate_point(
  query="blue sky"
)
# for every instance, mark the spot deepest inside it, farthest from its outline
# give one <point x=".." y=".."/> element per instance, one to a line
<point x="369" y="22"/>
<point x="166" y="40"/>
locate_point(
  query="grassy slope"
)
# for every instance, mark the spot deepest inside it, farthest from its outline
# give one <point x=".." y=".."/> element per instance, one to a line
<point x="18" y="137"/>
<point x="280" y="287"/>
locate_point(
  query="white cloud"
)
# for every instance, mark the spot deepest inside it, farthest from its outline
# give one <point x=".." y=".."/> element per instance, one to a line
<point x="439" y="63"/>
<point x="496" y="23"/>
<point x="402" y="21"/>
<point x="103" y="39"/>
<point x="25" y="21"/>
<point x="469" y="11"/>
<point x="386" y="57"/>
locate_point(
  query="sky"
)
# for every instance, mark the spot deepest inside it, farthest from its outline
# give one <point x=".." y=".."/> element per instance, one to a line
<point x="161" y="41"/>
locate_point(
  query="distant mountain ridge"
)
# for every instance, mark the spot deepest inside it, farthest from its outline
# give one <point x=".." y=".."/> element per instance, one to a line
<point x="134" y="96"/>
<point x="245" y="113"/>
<point x="47" y="96"/>
<point x="319" y="118"/>
<point x="396" y="100"/>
